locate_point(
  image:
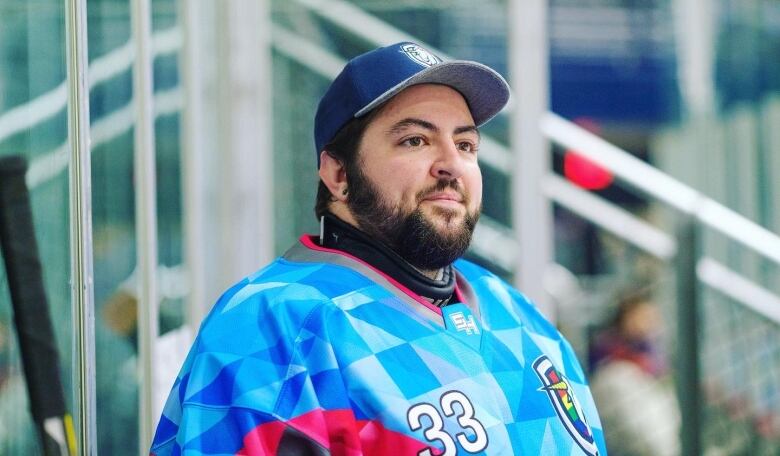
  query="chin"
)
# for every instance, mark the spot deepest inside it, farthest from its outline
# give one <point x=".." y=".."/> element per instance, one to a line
<point x="447" y="219"/>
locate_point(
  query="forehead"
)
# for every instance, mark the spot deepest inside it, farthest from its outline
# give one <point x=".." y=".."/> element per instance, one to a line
<point x="432" y="102"/>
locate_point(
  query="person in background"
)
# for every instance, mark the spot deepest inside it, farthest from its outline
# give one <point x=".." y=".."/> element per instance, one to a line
<point x="630" y="382"/>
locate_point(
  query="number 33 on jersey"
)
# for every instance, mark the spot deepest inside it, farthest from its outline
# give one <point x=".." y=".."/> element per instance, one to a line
<point x="471" y="434"/>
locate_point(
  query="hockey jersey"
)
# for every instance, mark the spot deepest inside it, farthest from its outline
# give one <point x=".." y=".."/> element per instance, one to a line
<point x="321" y="354"/>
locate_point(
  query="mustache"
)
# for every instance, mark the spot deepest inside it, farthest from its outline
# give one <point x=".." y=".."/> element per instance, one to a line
<point x="440" y="185"/>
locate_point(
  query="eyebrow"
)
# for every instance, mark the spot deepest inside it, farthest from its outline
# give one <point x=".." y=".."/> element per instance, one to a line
<point x="468" y="129"/>
<point x="401" y="125"/>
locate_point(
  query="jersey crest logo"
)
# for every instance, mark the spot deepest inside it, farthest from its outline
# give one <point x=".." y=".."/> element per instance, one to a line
<point x="420" y="55"/>
<point x="565" y="404"/>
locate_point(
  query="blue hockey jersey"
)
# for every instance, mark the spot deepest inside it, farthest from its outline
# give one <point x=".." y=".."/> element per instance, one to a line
<point x="319" y="353"/>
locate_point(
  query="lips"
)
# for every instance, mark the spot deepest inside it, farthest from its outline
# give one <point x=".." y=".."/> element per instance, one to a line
<point x="445" y="191"/>
<point x="444" y="196"/>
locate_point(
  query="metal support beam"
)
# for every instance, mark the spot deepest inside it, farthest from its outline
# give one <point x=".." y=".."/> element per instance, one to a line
<point x="145" y="218"/>
<point x="82" y="280"/>
<point x="688" y="371"/>
<point x="243" y="87"/>
<point x="193" y="161"/>
<point x="532" y="211"/>
<point x="264" y="128"/>
<point x="227" y="160"/>
<point x="695" y="27"/>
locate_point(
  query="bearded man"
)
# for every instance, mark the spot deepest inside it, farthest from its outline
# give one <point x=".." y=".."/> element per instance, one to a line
<point x="374" y="338"/>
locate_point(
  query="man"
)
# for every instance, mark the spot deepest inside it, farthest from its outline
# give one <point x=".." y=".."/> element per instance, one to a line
<point x="373" y="338"/>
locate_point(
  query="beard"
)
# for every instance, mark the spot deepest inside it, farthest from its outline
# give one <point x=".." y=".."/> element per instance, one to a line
<point x="409" y="233"/>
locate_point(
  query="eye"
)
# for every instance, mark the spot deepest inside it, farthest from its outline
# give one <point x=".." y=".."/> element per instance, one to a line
<point x="414" y="141"/>
<point x="468" y="147"/>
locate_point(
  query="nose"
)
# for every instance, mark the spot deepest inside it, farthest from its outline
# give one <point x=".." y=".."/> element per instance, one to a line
<point x="448" y="163"/>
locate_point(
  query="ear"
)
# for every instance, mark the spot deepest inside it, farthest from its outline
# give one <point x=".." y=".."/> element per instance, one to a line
<point x="333" y="175"/>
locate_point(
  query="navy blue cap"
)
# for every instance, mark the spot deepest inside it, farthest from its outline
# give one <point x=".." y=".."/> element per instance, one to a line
<point x="372" y="78"/>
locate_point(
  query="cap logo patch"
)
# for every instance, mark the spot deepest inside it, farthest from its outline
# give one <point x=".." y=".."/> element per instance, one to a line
<point x="566" y="405"/>
<point x="420" y="55"/>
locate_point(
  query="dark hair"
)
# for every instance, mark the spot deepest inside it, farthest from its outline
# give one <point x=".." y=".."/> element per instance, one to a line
<point x="630" y="299"/>
<point x="344" y="148"/>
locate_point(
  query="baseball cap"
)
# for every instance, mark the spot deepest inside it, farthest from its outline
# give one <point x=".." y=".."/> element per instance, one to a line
<point x="370" y="79"/>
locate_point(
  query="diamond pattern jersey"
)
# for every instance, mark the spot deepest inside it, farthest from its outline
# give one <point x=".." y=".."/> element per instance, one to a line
<point x="319" y="353"/>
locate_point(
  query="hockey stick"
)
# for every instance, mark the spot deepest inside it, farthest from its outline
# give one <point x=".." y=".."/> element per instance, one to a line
<point x="40" y="359"/>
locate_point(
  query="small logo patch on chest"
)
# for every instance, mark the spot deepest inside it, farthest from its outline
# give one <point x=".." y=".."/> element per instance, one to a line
<point x="463" y="323"/>
<point x="565" y="403"/>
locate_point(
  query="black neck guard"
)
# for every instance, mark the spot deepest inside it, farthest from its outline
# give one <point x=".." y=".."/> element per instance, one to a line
<point x="339" y="235"/>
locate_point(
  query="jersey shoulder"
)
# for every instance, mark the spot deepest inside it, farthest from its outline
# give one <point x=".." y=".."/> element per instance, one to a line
<point x="249" y="345"/>
<point x="283" y="288"/>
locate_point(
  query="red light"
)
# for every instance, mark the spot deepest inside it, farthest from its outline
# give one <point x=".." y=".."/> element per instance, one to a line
<point x="585" y="173"/>
<point x="582" y="171"/>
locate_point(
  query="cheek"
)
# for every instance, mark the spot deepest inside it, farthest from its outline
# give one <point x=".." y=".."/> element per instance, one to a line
<point x="472" y="180"/>
<point x="404" y="172"/>
<point x="397" y="181"/>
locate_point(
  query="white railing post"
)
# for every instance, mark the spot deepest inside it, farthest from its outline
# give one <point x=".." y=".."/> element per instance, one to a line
<point x="532" y="210"/>
<point x="244" y="217"/>
<point x="193" y="161"/>
<point x="145" y="218"/>
<point x="82" y="279"/>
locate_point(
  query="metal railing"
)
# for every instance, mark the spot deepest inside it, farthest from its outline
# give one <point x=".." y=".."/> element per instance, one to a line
<point x="80" y="196"/>
<point x="145" y="176"/>
<point x="83" y="140"/>
<point x="659" y="186"/>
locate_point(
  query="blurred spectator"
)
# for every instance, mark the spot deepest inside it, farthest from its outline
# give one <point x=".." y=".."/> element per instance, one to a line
<point x="636" y="398"/>
<point x="121" y="315"/>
